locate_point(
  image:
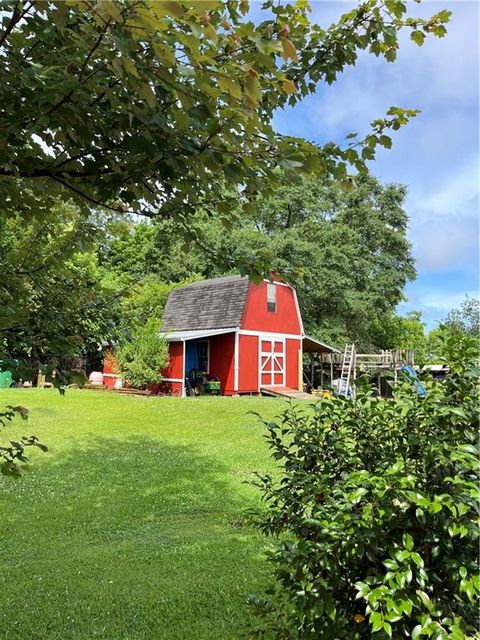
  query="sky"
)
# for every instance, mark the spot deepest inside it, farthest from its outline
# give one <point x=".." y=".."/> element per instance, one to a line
<point x="436" y="155"/>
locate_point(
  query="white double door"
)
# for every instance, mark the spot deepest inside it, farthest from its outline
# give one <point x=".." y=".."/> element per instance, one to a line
<point x="272" y="361"/>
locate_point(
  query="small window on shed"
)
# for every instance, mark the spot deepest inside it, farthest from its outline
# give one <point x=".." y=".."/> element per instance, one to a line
<point x="271" y="297"/>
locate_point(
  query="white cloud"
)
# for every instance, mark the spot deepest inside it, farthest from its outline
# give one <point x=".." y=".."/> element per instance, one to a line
<point x="453" y="244"/>
<point x="457" y="196"/>
<point x="443" y="70"/>
<point x="439" y="301"/>
<point x="445" y="301"/>
<point x="435" y="304"/>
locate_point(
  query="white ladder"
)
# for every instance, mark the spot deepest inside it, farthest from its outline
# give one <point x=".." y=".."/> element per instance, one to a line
<point x="348" y="368"/>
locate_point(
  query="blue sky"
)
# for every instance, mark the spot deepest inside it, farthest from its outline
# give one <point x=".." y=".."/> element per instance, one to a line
<point x="436" y="155"/>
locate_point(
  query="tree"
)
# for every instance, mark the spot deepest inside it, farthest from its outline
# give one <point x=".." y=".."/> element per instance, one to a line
<point x="403" y="332"/>
<point x="345" y="252"/>
<point x="466" y="319"/>
<point x="162" y="107"/>
<point x="53" y="303"/>
<point x="374" y="513"/>
<point x="460" y="322"/>
<point x="146" y="300"/>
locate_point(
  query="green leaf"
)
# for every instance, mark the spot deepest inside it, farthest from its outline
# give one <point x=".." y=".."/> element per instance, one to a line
<point x="129" y="67"/>
<point x="229" y="86"/>
<point x="289" y="86"/>
<point x="253" y="89"/>
<point x="169" y="7"/>
<point x="416" y="631"/>
<point x="396" y="7"/>
<point x="146" y="93"/>
<point x="385" y="141"/>
<point x="376" y="621"/>
<point x="425" y="599"/>
<point x="407" y="541"/>
<point x="418" y="37"/>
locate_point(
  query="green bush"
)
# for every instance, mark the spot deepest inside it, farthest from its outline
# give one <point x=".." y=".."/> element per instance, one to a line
<point x="141" y="359"/>
<point x="375" y="514"/>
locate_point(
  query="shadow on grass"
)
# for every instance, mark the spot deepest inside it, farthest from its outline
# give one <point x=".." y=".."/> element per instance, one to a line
<point x="111" y="483"/>
<point x="126" y="539"/>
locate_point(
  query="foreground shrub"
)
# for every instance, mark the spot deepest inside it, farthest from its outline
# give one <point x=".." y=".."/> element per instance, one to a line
<point x="141" y="359"/>
<point x="375" y="514"/>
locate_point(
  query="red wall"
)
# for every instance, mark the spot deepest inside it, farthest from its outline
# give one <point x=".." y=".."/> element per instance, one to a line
<point x="108" y="368"/>
<point x="292" y="348"/>
<point x="248" y="364"/>
<point x="221" y="363"/>
<point x="256" y="317"/>
<point x="174" y="369"/>
<point x="222" y="350"/>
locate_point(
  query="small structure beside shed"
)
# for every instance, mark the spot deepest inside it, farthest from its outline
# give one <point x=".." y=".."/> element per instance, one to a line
<point x="249" y="336"/>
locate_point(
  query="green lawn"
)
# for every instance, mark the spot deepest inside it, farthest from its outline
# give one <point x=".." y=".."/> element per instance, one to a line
<point x="131" y="525"/>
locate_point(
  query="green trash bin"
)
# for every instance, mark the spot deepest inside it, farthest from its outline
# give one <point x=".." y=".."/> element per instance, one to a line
<point x="5" y="379"/>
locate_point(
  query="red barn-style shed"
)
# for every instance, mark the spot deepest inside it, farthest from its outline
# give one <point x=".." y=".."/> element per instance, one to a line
<point x="250" y="336"/>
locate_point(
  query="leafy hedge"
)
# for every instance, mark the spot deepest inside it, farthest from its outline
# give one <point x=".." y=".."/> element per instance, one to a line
<point x="375" y="514"/>
<point x="141" y="359"/>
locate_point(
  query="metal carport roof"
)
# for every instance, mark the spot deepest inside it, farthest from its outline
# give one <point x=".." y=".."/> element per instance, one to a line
<point x="181" y="336"/>
<point x="312" y="345"/>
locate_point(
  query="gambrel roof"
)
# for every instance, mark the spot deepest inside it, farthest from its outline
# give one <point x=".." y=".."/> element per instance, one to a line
<point x="209" y="304"/>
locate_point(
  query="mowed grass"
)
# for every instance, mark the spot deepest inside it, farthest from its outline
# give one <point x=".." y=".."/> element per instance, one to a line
<point x="132" y="525"/>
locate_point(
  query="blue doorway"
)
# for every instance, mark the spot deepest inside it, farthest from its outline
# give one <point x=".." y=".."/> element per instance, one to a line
<point x="191" y="356"/>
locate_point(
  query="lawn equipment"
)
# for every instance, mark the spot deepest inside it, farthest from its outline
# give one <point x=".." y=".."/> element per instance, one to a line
<point x="198" y="383"/>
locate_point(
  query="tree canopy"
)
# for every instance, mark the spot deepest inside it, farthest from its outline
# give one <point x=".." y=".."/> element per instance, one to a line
<point x="346" y="253"/>
<point x="165" y="109"/>
<point x="403" y="332"/>
<point x="53" y="302"/>
<point x="160" y="107"/>
<point x="466" y="317"/>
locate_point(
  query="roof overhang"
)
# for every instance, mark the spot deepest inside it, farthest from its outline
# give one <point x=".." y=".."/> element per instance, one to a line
<point x="182" y="336"/>
<point x="311" y="345"/>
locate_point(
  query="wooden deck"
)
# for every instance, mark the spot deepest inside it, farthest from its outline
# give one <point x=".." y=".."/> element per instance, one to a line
<point x="286" y="392"/>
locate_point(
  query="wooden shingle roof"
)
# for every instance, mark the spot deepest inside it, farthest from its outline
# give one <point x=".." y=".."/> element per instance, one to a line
<point x="209" y="304"/>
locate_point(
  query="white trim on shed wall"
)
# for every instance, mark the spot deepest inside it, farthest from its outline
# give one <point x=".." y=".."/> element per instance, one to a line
<point x="272" y="338"/>
<point x="183" y="369"/>
<point x="179" y="336"/>
<point x="236" y="356"/>
<point x="249" y="332"/>
<point x="281" y="284"/>
<point x="298" y="309"/>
